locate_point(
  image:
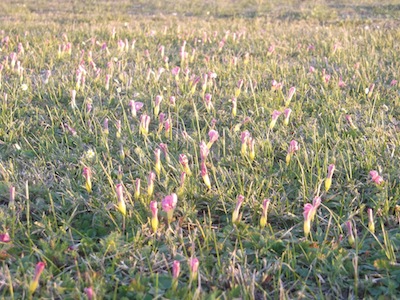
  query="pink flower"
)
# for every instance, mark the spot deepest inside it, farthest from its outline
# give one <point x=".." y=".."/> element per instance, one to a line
<point x="87" y="173"/>
<point x="137" y="188"/>
<point x="311" y="69"/>
<point x="89" y="293"/>
<point x="135" y="107"/>
<point x="194" y="267"/>
<point x="350" y="121"/>
<point x="144" y="124"/>
<point x="235" y="214"/>
<point x="207" y="101"/>
<point x="393" y="82"/>
<point x="349" y="226"/>
<point x="154" y="217"/>
<point x="290" y="95"/>
<point x="150" y="183"/>
<point x="245" y="136"/>
<point x="264" y="215"/>
<point x="293" y="147"/>
<point x="274" y="118"/>
<point x="5" y="238"/>
<point x="376" y="177"/>
<point x="35" y="282"/>
<point x="341" y="83"/>
<point x="182" y="179"/>
<point x="307" y="214"/>
<point x="331" y="169"/>
<point x="169" y="202"/>
<point x="287" y="113"/>
<point x="176" y="269"/>
<point x="168" y="205"/>
<point x="371" y="224"/>
<point x="172" y="100"/>
<point x="120" y="196"/>
<point x="327" y="77"/>
<point x="204" y="175"/>
<point x="213" y="135"/>
<point x="107" y="85"/>
<point x="204" y="151"/>
<point x="276" y="85"/>
<point x="175" y="71"/>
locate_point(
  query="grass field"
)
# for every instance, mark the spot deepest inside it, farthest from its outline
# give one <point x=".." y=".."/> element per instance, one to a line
<point x="199" y="149"/>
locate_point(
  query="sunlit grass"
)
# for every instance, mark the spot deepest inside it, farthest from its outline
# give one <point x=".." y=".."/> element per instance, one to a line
<point x="105" y="111"/>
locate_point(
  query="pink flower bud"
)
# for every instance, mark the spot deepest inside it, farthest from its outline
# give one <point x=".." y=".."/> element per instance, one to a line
<point x="182" y="179"/>
<point x="287" y="113"/>
<point x="176" y="269"/>
<point x="208" y="103"/>
<point x="293" y="147"/>
<point x="204" y="151"/>
<point x="120" y="196"/>
<point x="89" y="293"/>
<point x="194" y="267"/>
<point x="137" y="188"/>
<point x="5" y="238"/>
<point x="331" y="169"/>
<point x="38" y="270"/>
<point x="153" y="208"/>
<point x="144" y="124"/>
<point x="213" y="135"/>
<point x="274" y="118"/>
<point x="235" y="214"/>
<point x="150" y="183"/>
<point x="290" y="95"/>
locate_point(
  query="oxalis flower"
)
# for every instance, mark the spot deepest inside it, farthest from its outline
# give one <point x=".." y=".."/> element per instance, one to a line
<point x="274" y="118"/>
<point x="35" y="281"/>
<point x="120" y="196"/>
<point x="351" y="238"/>
<point x="287" y="112"/>
<point x="244" y="138"/>
<point x="213" y="135"/>
<point x="204" y="175"/>
<point x="310" y="210"/>
<point x="176" y="269"/>
<point x="264" y="215"/>
<point x="87" y="173"/>
<point x="371" y="223"/>
<point x="154" y="217"/>
<point x="150" y="183"/>
<point x="376" y="177"/>
<point x="184" y="161"/>
<point x="328" y="180"/>
<point x="194" y="268"/>
<point x="293" y="147"/>
<point x="235" y="214"/>
<point x="168" y="205"/>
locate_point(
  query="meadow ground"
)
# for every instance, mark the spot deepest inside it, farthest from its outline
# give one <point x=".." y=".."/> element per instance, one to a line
<point x="199" y="149"/>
